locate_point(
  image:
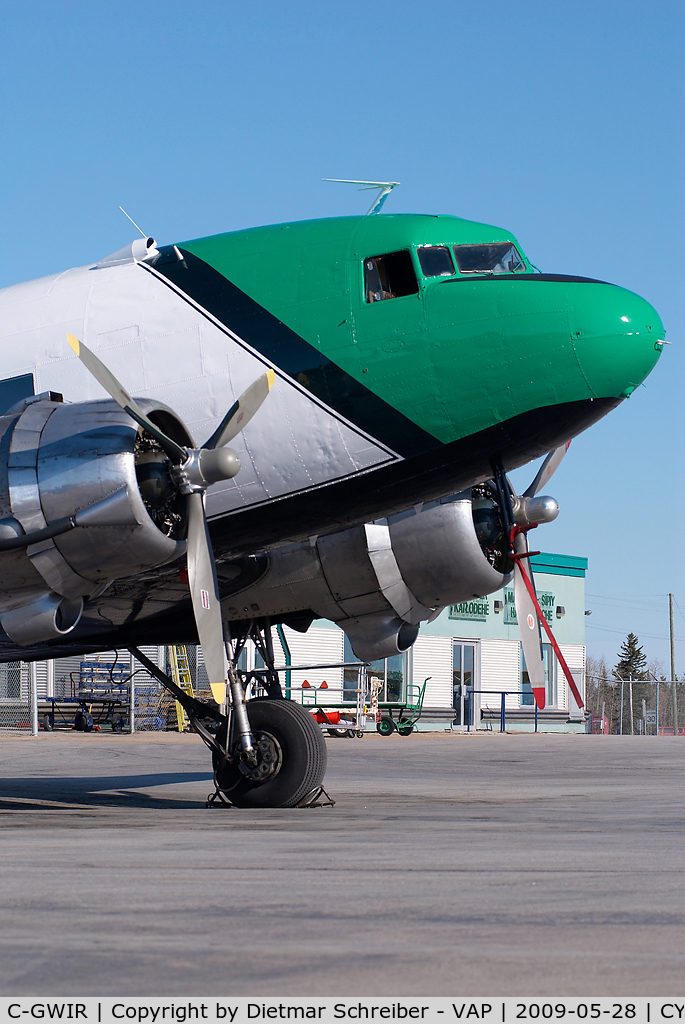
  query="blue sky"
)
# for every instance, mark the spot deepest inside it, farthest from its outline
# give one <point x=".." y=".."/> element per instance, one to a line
<point x="560" y="121"/>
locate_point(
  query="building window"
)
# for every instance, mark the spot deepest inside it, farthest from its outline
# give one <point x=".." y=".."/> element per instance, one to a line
<point x="550" y="663"/>
<point x="392" y="673"/>
<point x="463" y="679"/>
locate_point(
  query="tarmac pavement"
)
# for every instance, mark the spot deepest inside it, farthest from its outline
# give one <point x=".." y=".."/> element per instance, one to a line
<point x="472" y="864"/>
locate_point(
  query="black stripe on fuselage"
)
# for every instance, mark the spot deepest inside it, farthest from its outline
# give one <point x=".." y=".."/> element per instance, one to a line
<point x="292" y="354"/>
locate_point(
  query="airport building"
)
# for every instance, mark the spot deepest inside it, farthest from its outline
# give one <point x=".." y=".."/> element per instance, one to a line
<point x="469" y="658"/>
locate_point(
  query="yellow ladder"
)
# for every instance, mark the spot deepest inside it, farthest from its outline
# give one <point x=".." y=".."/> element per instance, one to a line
<point x="180" y="673"/>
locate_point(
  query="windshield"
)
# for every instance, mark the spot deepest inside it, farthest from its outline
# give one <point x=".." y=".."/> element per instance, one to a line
<point x="493" y="258"/>
<point x="435" y="260"/>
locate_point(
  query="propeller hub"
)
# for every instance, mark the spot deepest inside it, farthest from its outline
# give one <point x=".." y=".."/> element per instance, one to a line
<point x="203" y="467"/>
<point x="529" y="511"/>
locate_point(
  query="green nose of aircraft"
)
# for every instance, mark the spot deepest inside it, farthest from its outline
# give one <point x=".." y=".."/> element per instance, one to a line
<point x="617" y="336"/>
<point x="509" y="345"/>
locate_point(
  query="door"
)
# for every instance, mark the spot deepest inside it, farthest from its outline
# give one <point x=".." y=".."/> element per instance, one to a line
<point x="463" y="679"/>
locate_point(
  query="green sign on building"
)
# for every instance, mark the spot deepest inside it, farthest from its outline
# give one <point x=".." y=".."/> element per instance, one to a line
<point x="476" y="611"/>
<point x="546" y="601"/>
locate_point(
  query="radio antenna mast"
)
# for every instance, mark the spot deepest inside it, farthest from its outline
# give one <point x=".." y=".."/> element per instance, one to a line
<point x="132" y="222"/>
<point x="384" y="190"/>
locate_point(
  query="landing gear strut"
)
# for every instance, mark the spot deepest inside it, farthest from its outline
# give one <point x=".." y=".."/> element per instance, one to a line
<point x="284" y="761"/>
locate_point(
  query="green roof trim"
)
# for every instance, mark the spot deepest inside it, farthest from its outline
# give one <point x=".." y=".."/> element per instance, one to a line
<point x="559" y="565"/>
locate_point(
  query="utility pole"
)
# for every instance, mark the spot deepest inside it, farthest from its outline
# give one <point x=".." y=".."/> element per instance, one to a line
<point x="674" y="695"/>
<point x="620" y="725"/>
<point x="630" y="691"/>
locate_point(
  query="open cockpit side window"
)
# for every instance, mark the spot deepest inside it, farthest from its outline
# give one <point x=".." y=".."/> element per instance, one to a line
<point x="492" y="258"/>
<point x="389" y="276"/>
<point x="435" y="260"/>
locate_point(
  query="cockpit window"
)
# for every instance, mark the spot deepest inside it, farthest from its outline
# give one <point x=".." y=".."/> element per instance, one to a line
<point x="495" y="258"/>
<point x="389" y="276"/>
<point x="435" y="260"/>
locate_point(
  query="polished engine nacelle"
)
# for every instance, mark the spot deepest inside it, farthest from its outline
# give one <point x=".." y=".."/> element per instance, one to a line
<point x="378" y="581"/>
<point x="88" y="463"/>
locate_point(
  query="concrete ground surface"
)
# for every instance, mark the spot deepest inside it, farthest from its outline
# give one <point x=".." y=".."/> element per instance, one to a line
<point x="480" y="864"/>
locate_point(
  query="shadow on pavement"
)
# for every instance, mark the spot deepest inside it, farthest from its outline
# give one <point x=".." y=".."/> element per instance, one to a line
<point x="99" y="791"/>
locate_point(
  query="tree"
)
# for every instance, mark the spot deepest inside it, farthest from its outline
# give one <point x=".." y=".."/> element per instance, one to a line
<point x="633" y="661"/>
<point x="632" y="664"/>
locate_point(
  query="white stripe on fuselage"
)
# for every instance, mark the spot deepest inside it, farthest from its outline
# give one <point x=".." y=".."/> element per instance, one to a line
<point x="162" y="346"/>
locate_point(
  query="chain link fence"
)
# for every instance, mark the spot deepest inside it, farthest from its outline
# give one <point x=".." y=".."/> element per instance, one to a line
<point x="15" y="697"/>
<point x="638" y="707"/>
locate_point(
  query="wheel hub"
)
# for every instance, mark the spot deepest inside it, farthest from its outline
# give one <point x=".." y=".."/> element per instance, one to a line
<point x="269" y="759"/>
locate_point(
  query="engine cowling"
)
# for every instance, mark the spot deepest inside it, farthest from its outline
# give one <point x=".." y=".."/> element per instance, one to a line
<point x="89" y="462"/>
<point x="378" y="581"/>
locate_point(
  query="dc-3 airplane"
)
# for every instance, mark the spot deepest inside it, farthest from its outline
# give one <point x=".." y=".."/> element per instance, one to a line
<point x="411" y="360"/>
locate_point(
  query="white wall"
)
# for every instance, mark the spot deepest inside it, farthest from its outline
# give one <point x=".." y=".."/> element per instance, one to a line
<point x="574" y="656"/>
<point x="432" y="656"/>
<point x="500" y="669"/>
<point x="318" y="646"/>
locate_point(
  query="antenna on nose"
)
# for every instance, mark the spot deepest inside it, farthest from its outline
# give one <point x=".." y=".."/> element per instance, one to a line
<point x="384" y="190"/>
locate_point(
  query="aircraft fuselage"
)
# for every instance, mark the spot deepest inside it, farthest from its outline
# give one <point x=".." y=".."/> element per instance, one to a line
<point x="411" y="354"/>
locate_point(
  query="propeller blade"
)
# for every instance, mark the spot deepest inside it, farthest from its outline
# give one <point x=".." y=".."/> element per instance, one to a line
<point x="204" y="591"/>
<point x="529" y="626"/>
<point x="527" y="582"/>
<point x="112" y="386"/>
<point x="242" y="411"/>
<point x="547" y="469"/>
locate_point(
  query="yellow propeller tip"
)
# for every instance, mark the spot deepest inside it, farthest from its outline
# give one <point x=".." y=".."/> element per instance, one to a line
<point x="218" y="692"/>
<point x="270" y="378"/>
<point x="75" y="344"/>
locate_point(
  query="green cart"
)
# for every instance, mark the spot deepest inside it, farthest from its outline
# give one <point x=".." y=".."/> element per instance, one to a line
<point x="408" y="712"/>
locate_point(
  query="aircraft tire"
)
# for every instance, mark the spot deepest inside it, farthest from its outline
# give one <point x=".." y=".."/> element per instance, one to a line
<point x="303" y="751"/>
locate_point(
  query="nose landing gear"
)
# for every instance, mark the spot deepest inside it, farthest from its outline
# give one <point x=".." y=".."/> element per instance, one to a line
<point x="286" y="764"/>
<point x="291" y="758"/>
